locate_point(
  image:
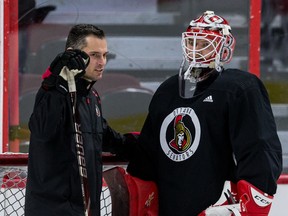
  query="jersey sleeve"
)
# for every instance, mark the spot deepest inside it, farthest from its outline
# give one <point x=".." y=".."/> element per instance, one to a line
<point x="254" y="138"/>
<point x="142" y="162"/>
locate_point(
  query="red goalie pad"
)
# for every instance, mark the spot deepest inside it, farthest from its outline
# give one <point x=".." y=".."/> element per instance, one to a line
<point x="130" y="195"/>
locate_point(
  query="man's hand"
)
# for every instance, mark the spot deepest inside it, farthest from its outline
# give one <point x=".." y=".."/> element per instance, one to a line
<point x="250" y="201"/>
<point x="74" y="60"/>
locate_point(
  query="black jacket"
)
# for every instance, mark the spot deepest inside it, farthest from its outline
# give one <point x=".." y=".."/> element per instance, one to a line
<point x="53" y="184"/>
<point x="227" y="132"/>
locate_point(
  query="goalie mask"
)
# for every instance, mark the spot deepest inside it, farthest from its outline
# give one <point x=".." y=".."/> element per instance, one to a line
<point x="207" y="44"/>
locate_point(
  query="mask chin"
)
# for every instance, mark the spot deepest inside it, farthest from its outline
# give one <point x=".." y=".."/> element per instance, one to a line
<point x="187" y="81"/>
<point x="189" y="78"/>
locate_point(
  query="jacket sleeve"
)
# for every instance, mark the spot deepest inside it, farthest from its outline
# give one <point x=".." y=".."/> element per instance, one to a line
<point x="254" y="138"/>
<point x="116" y="143"/>
<point x="48" y="116"/>
<point x="49" y="135"/>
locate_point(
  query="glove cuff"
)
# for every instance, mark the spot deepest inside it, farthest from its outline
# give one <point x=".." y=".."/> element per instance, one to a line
<point x="253" y="201"/>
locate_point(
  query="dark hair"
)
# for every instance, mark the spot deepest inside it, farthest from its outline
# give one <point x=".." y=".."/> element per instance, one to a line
<point x="78" y="33"/>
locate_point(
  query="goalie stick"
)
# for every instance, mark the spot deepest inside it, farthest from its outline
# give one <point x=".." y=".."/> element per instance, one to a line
<point x="79" y="142"/>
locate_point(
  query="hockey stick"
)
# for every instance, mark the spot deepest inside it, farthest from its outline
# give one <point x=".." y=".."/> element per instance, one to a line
<point x="79" y="142"/>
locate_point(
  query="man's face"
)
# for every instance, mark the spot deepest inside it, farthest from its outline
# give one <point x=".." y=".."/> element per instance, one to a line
<point x="97" y="50"/>
<point x="203" y="48"/>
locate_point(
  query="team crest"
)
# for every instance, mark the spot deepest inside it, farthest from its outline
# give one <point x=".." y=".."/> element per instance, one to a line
<point x="180" y="134"/>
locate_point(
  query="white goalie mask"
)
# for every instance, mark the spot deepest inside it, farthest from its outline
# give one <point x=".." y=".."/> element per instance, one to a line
<point x="207" y="44"/>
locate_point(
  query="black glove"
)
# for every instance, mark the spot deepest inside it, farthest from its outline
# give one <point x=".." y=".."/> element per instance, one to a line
<point x="74" y="60"/>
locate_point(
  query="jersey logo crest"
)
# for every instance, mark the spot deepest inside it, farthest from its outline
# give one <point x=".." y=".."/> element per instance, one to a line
<point x="180" y="134"/>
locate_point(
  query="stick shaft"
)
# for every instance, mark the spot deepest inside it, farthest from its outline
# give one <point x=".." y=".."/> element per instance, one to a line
<point x="79" y="143"/>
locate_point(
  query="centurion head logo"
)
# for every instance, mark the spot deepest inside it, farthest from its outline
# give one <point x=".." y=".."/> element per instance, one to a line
<point x="180" y="134"/>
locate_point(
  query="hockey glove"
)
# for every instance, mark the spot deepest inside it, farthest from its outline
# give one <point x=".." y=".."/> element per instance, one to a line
<point x="253" y="201"/>
<point x="75" y="61"/>
<point x="227" y="205"/>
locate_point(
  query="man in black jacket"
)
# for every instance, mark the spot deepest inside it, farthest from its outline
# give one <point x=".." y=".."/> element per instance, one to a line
<point x="53" y="184"/>
<point x="207" y="126"/>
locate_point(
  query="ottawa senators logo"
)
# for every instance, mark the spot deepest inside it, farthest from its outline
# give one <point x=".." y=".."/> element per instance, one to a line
<point x="180" y="134"/>
<point x="182" y="137"/>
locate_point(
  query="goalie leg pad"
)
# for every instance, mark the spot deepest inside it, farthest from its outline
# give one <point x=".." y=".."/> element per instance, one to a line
<point x="143" y="196"/>
<point x="131" y="196"/>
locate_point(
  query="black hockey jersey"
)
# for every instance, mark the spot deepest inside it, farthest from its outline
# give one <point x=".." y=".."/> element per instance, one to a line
<point x="189" y="147"/>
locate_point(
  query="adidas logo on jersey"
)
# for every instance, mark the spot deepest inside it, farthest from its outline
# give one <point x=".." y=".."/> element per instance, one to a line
<point x="208" y="99"/>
